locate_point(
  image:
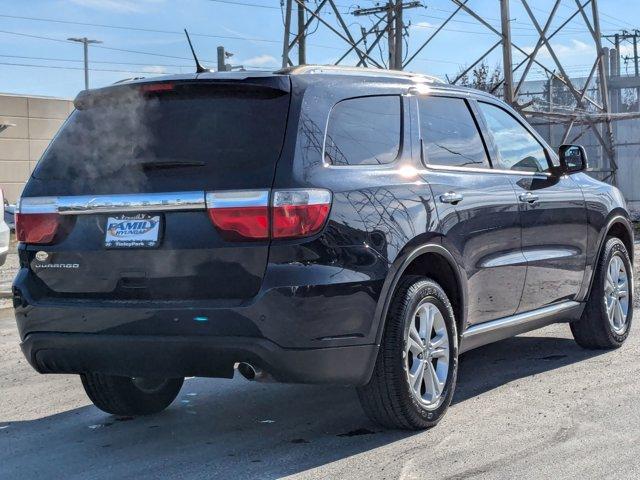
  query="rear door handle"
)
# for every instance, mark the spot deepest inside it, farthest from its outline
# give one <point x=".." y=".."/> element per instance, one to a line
<point x="451" y="197"/>
<point x="528" y="197"/>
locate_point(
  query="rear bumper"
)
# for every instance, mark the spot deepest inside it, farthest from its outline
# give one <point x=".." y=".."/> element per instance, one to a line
<point x="309" y="323"/>
<point x="300" y="305"/>
<point x="165" y="356"/>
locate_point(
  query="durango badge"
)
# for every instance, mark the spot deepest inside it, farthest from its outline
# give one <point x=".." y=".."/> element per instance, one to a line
<point x="57" y="265"/>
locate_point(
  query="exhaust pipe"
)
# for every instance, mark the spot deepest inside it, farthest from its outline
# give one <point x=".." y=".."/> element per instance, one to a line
<point x="252" y="373"/>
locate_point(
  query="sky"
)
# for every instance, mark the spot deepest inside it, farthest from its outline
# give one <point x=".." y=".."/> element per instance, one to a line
<point x="143" y="37"/>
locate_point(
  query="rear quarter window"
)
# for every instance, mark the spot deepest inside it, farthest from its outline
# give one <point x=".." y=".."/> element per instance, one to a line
<point x="364" y="131"/>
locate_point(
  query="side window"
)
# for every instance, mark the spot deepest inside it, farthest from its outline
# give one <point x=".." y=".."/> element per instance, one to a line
<point x="364" y="131"/>
<point x="517" y="148"/>
<point x="449" y="133"/>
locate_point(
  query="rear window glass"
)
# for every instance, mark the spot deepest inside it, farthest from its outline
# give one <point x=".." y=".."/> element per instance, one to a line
<point x="192" y="136"/>
<point x="364" y="131"/>
<point x="449" y="133"/>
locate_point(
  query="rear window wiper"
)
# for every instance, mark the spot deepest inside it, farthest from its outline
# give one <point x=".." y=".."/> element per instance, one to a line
<point x="161" y="164"/>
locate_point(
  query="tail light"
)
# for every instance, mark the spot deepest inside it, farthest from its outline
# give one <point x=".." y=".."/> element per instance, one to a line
<point x="37" y="221"/>
<point x="240" y="215"/>
<point x="157" y="87"/>
<point x="299" y="213"/>
<point x="248" y="214"/>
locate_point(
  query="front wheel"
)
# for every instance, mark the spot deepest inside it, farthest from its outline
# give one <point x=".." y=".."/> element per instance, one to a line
<point x="127" y="396"/>
<point x="606" y="320"/>
<point x="415" y="373"/>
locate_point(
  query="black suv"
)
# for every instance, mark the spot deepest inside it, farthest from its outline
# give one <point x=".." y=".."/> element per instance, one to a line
<point x="314" y="225"/>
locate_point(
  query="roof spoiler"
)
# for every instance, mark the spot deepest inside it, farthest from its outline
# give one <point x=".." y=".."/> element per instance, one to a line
<point x="269" y="86"/>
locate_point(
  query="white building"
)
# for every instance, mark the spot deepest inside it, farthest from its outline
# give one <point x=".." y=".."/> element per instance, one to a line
<point x="27" y="125"/>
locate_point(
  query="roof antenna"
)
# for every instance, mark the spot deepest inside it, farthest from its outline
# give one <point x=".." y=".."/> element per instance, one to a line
<point x="199" y="67"/>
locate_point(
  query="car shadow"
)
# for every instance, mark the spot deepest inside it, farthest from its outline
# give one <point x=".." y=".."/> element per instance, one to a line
<point x="491" y="366"/>
<point x="239" y="429"/>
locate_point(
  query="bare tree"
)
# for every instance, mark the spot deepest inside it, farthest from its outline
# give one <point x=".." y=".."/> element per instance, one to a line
<point x="482" y="77"/>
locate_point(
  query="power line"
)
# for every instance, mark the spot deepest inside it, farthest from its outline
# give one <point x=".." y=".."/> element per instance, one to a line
<point x="59" y="67"/>
<point x="138" y="29"/>
<point x="151" y="30"/>
<point x="259" y="5"/>
<point x="29" y="35"/>
<point x="529" y="28"/>
<point x="245" y="4"/>
<point x="95" y="61"/>
<point x="620" y="21"/>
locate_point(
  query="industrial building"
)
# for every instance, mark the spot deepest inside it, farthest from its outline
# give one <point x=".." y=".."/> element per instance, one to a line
<point x="27" y="125"/>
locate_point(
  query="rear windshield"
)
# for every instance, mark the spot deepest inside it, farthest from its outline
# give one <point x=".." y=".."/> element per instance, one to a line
<point x="167" y="136"/>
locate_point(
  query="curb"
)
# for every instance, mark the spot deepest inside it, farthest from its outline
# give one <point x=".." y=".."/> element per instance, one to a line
<point x="6" y="294"/>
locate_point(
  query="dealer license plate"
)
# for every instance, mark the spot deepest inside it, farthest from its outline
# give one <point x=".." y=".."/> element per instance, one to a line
<point x="132" y="231"/>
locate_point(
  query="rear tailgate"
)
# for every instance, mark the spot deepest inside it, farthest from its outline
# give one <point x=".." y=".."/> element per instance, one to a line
<point x="125" y="183"/>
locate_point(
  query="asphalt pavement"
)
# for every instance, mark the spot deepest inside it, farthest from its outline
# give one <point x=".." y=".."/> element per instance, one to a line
<point x="535" y="406"/>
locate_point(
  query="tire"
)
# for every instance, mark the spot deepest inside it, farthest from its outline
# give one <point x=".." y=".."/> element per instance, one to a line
<point x="127" y="396"/>
<point x="595" y="330"/>
<point x="389" y="399"/>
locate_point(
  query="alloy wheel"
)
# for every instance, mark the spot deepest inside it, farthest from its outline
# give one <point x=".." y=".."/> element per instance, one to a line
<point x="426" y="355"/>
<point x="616" y="294"/>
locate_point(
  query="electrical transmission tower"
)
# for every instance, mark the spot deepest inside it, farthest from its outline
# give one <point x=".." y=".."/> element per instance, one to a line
<point x="590" y="109"/>
<point x="590" y="112"/>
<point x="389" y="23"/>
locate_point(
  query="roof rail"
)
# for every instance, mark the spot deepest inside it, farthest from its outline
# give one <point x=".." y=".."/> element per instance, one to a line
<point x="362" y="71"/>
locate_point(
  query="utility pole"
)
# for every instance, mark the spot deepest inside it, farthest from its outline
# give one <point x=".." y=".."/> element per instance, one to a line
<point x="302" y="38"/>
<point x="635" y="52"/>
<point x="223" y="66"/>
<point x="393" y="11"/>
<point x="635" y="63"/>
<point x="287" y="34"/>
<point x="399" y="34"/>
<point x="507" y="66"/>
<point x="391" y="37"/>
<point x="85" y="43"/>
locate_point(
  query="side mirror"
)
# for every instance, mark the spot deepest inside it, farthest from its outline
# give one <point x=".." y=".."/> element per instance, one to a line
<point x="573" y="159"/>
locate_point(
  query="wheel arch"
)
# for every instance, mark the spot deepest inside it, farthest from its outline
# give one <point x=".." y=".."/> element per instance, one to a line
<point x="618" y="225"/>
<point x="432" y="260"/>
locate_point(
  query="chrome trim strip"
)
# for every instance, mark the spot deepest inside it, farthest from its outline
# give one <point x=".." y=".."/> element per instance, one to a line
<point x="37" y="205"/>
<point x="486" y="170"/>
<point x="519" y="319"/>
<point x="237" y="198"/>
<point x="136" y="202"/>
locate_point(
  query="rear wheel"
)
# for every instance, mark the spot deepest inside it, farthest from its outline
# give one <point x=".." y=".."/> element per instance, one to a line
<point x="415" y="373"/>
<point x="607" y="317"/>
<point x="130" y="396"/>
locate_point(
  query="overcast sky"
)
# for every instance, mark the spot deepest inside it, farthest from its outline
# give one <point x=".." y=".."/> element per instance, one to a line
<point x="252" y="30"/>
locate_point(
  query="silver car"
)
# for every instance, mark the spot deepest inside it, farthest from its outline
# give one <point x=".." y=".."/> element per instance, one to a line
<point x="4" y="232"/>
